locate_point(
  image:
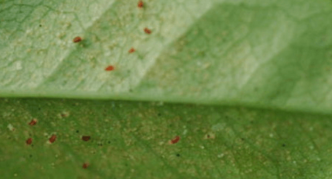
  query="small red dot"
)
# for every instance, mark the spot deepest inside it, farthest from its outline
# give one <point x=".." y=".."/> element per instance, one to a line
<point x="132" y="50"/>
<point x="86" y="138"/>
<point x="109" y="68"/>
<point x="175" y="140"/>
<point x="77" y="39"/>
<point x="29" y="141"/>
<point x="148" y="31"/>
<point x="33" y="122"/>
<point x="85" y="165"/>
<point x="140" y="4"/>
<point x="52" y="138"/>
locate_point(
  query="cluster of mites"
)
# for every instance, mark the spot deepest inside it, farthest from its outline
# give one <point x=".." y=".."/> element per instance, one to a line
<point x="53" y="138"/>
<point x="84" y="138"/>
<point x="132" y="50"/>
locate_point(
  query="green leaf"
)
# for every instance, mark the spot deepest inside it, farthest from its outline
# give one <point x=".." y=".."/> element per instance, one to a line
<point x="130" y="140"/>
<point x="274" y="53"/>
<point x="270" y="54"/>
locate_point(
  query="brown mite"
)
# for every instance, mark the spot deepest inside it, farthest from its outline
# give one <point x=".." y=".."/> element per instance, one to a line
<point x="33" y="122"/>
<point x="109" y="68"/>
<point x="77" y="39"/>
<point x="29" y="141"/>
<point x="85" y="165"/>
<point x="52" y="138"/>
<point x="86" y="138"/>
<point x="132" y="50"/>
<point x="140" y="4"/>
<point x="147" y="31"/>
<point x="175" y="140"/>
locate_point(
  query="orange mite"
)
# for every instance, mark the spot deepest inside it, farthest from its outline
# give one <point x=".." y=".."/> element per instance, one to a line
<point x="85" y="165"/>
<point x="86" y="138"/>
<point x="77" y="39"/>
<point x="175" y="140"/>
<point x="33" y="122"/>
<point x="148" y="31"/>
<point x="140" y="4"/>
<point x="52" y="138"/>
<point x="109" y="68"/>
<point x="132" y="50"/>
<point x="29" y="141"/>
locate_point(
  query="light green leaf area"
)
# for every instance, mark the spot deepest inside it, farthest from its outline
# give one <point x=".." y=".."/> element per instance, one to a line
<point x="131" y="140"/>
<point x="266" y="53"/>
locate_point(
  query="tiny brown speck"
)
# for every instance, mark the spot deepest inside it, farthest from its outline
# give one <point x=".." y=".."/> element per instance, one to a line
<point x="148" y="31"/>
<point x="109" y="68"/>
<point x="132" y="50"/>
<point x="86" y="138"/>
<point x="140" y="4"/>
<point x="77" y="39"/>
<point x="85" y="165"/>
<point x="33" y="122"/>
<point x="29" y="141"/>
<point x="52" y="138"/>
<point x="175" y="140"/>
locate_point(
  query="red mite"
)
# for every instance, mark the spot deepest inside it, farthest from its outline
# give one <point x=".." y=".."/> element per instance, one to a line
<point x="29" y="141"/>
<point x="109" y="68"/>
<point x="175" y="140"/>
<point x="33" y="122"/>
<point x="52" y="138"/>
<point x="132" y="50"/>
<point x="77" y="39"/>
<point x="148" y="31"/>
<point x="140" y="4"/>
<point x="85" y="165"/>
<point x="86" y="138"/>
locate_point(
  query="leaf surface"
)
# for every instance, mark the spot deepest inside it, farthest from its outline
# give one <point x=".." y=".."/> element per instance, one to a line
<point x="272" y="53"/>
<point x="131" y="140"/>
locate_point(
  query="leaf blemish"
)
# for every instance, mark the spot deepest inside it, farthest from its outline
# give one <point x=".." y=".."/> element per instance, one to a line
<point x="65" y="114"/>
<point x="10" y="127"/>
<point x="209" y="136"/>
